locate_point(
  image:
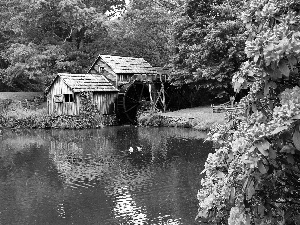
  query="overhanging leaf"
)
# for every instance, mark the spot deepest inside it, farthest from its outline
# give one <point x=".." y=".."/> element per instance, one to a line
<point x="288" y="149"/>
<point x="296" y="117"/>
<point x="276" y="74"/>
<point x="283" y="67"/>
<point x="273" y="85"/>
<point x="290" y="159"/>
<point x="260" y="95"/>
<point x="248" y="220"/>
<point x="272" y="153"/>
<point x="230" y="156"/>
<point x="252" y="148"/>
<point x="296" y="138"/>
<point x="261" y="210"/>
<point x="279" y="129"/>
<point x="256" y="57"/>
<point x="232" y="195"/>
<point x="254" y="108"/>
<point x="292" y="60"/>
<point x="245" y="184"/>
<point x="241" y="80"/>
<point x="266" y="89"/>
<point x="220" y="174"/>
<point x="202" y="214"/>
<point x="250" y="190"/>
<point x="271" y="105"/>
<point x="237" y="87"/>
<point x="263" y="146"/>
<point x="261" y="167"/>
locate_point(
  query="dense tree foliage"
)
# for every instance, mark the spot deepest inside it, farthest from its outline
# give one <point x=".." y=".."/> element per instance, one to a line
<point x="42" y="37"/>
<point x="145" y="30"/>
<point x="204" y="40"/>
<point x="209" y="45"/>
<point x="253" y="177"/>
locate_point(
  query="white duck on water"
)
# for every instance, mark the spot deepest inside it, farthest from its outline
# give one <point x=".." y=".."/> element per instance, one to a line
<point x="131" y="149"/>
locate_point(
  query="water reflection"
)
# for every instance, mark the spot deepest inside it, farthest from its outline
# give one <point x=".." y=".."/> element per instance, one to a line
<point x="117" y="175"/>
<point x="126" y="208"/>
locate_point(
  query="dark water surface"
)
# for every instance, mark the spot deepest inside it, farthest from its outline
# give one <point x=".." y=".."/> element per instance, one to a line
<point x="115" y="175"/>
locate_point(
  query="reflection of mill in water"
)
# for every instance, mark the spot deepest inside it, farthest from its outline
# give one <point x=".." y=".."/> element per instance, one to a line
<point x="76" y="159"/>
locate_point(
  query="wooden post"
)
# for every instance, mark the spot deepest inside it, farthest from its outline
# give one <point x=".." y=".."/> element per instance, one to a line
<point x="232" y="98"/>
<point x="163" y="96"/>
<point x="150" y="93"/>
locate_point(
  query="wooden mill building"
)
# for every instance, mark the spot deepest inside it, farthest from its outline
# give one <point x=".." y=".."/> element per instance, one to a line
<point x="122" y="70"/>
<point x="63" y="95"/>
<point x="120" y="85"/>
<point x="137" y="81"/>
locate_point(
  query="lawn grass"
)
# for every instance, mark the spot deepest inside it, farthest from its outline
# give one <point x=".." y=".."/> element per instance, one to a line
<point x="20" y="96"/>
<point x="16" y="106"/>
<point x="17" y="100"/>
<point x="200" y="118"/>
<point x="197" y="112"/>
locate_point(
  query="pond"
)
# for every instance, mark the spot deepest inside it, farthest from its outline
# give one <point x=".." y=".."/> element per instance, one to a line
<point x="115" y="175"/>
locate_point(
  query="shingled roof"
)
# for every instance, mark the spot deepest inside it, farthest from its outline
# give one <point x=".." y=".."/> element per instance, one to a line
<point x="87" y="82"/>
<point x="126" y="65"/>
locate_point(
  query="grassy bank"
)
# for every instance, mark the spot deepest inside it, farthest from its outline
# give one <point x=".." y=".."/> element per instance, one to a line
<point x="200" y="118"/>
<point x="20" y="96"/>
<point x="28" y="110"/>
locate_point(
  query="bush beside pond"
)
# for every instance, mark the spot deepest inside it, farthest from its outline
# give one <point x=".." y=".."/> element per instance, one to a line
<point x="26" y="113"/>
<point x="55" y="121"/>
<point x="17" y="116"/>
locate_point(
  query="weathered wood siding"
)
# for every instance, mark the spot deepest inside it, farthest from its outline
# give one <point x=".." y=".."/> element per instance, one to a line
<point x="124" y="77"/>
<point x="105" y="101"/>
<point x="77" y="101"/>
<point x="61" y="108"/>
<point x="107" y="72"/>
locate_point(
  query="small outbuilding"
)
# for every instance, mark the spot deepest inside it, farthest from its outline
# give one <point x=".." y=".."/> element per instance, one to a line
<point x="63" y="95"/>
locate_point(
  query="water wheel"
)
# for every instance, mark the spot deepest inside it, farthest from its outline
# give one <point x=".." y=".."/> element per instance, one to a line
<point x="130" y="98"/>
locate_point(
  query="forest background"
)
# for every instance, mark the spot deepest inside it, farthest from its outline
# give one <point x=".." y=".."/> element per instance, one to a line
<point x="201" y="42"/>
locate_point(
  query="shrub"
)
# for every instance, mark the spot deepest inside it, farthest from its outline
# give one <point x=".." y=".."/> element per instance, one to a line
<point x="253" y="176"/>
<point x="89" y="117"/>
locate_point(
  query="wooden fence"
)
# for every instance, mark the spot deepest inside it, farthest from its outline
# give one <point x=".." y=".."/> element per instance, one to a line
<point x="226" y="107"/>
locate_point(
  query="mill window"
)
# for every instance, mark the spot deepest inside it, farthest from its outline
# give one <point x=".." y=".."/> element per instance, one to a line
<point x="69" y="98"/>
<point x="101" y="69"/>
